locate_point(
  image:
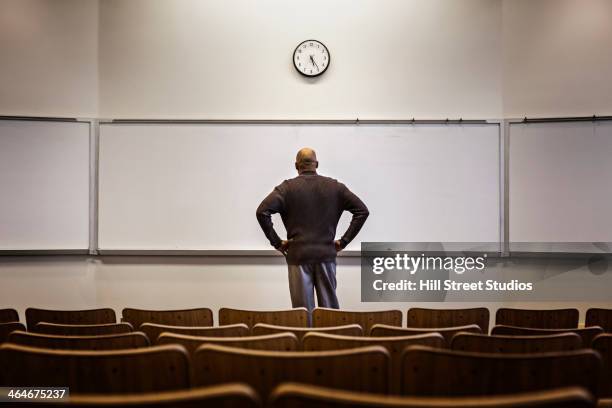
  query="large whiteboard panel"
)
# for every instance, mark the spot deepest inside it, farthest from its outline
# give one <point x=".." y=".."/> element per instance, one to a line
<point x="560" y="188"/>
<point x="196" y="186"/>
<point x="44" y="185"/>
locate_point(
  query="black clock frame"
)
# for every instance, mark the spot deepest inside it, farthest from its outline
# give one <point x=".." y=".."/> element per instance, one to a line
<point x="320" y="73"/>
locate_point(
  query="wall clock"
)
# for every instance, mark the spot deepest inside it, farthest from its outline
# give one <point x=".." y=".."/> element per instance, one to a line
<point x="311" y="58"/>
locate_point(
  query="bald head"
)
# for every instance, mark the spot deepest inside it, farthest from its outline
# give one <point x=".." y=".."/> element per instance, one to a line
<point x="306" y="160"/>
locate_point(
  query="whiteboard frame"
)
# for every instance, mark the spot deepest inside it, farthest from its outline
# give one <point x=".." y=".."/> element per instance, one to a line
<point x="94" y="128"/>
<point x="502" y="153"/>
<point x="93" y="174"/>
<point x="534" y="249"/>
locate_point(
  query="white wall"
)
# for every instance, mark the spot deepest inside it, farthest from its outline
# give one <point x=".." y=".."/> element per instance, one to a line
<point x="49" y="58"/>
<point x="233" y="59"/>
<point x="557" y="59"/>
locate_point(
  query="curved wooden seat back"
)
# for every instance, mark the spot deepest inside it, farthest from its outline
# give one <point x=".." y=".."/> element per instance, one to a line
<point x="8" y="328"/>
<point x="394" y="345"/>
<point x="294" y="395"/>
<point x="8" y="316"/>
<point x="81" y="329"/>
<point x="364" y="369"/>
<point x="323" y="317"/>
<point x="148" y="369"/>
<point x="538" y="319"/>
<point x="270" y="342"/>
<point x="90" y="316"/>
<point x="381" y="330"/>
<point x="425" y="318"/>
<point x="603" y="344"/>
<point x="347" y="330"/>
<point x="515" y="344"/>
<point x="153" y="330"/>
<point x="599" y="317"/>
<point x="587" y="334"/>
<point x="439" y="372"/>
<point x="185" y="317"/>
<point x="218" y="396"/>
<point x="104" y="342"/>
<point x="293" y="317"/>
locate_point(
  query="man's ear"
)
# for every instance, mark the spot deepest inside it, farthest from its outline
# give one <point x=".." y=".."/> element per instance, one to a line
<point x="296" y="167"/>
<point x="317" y="165"/>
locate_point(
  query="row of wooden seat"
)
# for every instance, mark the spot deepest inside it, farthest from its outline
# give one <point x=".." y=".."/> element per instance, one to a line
<point x="416" y="317"/>
<point x="296" y="395"/>
<point x="419" y="370"/>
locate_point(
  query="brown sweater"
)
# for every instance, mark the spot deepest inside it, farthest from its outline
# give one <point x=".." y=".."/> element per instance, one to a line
<point x="310" y="206"/>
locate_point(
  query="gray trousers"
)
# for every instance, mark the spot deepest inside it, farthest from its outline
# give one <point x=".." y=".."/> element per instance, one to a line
<point x="304" y="280"/>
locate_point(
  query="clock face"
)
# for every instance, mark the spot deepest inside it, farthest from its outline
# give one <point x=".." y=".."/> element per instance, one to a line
<point x="311" y="58"/>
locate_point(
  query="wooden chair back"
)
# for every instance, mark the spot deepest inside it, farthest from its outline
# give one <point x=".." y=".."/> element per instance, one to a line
<point x="347" y="330"/>
<point x="380" y="330"/>
<point x="153" y="330"/>
<point x="90" y="316"/>
<point x="8" y="316"/>
<point x="7" y="328"/>
<point x="424" y="318"/>
<point x="81" y="329"/>
<point x="515" y="344"/>
<point x="394" y="345"/>
<point x="538" y="319"/>
<point x="364" y="369"/>
<point x="148" y="369"/>
<point x="587" y="334"/>
<point x="323" y="317"/>
<point x="603" y="344"/>
<point x="441" y="372"/>
<point x="599" y="317"/>
<point x="103" y="342"/>
<point x="294" y="395"/>
<point x="185" y="317"/>
<point x="270" y="342"/>
<point x="217" y="396"/>
<point x="293" y="317"/>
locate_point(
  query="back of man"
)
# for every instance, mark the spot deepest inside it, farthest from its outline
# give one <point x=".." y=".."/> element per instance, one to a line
<point x="310" y="206"/>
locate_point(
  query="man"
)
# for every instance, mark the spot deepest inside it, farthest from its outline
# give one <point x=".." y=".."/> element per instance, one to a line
<point x="310" y="206"/>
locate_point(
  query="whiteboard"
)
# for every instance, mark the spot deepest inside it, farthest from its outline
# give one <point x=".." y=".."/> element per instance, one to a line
<point x="44" y="184"/>
<point x="560" y="188"/>
<point x="196" y="186"/>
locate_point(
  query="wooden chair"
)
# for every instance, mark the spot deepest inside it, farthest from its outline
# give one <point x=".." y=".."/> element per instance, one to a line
<point x="381" y="330"/>
<point x="91" y="316"/>
<point x="270" y="342"/>
<point x="82" y="329"/>
<point x="603" y="344"/>
<point x="323" y="317"/>
<point x="394" y="345"/>
<point x="157" y="368"/>
<point x="363" y="369"/>
<point x="217" y="396"/>
<point x="293" y="395"/>
<point x="440" y="372"/>
<point x="294" y="317"/>
<point x="426" y="318"/>
<point x="7" y="328"/>
<point x="8" y="316"/>
<point x="587" y="333"/>
<point x="104" y="342"/>
<point x="599" y="317"/>
<point x="153" y="330"/>
<point x="538" y="319"/>
<point x="515" y="344"/>
<point x="348" y="330"/>
<point x="186" y="317"/>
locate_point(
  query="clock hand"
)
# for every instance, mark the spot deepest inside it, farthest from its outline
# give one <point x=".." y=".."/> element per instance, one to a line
<point x="313" y="62"/>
